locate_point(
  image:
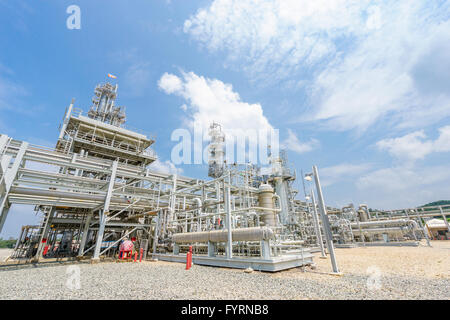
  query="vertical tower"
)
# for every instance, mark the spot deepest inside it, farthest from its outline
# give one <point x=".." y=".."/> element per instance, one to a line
<point x="103" y="108"/>
<point x="101" y="133"/>
<point x="282" y="179"/>
<point x="216" y="151"/>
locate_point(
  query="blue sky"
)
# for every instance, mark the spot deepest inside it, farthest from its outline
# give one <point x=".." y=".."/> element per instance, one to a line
<point x="359" y="88"/>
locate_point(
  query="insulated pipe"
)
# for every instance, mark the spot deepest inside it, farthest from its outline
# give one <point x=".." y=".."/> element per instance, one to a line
<point x="243" y="234"/>
<point x="292" y="242"/>
<point x="380" y="230"/>
<point x="199" y="205"/>
<point x="199" y="202"/>
<point x="414" y="224"/>
<point x="378" y="223"/>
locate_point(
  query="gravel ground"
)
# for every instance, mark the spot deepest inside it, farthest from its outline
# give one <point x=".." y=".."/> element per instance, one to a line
<point x="5" y="253"/>
<point x="163" y="280"/>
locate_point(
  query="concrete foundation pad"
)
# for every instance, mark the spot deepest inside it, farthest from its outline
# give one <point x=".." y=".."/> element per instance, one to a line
<point x="392" y="244"/>
<point x="271" y="265"/>
<point x="377" y="244"/>
<point x="346" y="245"/>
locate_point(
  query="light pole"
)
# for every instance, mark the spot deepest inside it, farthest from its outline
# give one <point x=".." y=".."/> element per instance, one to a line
<point x="314" y="215"/>
<point x="324" y="217"/>
<point x="316" y="222"/>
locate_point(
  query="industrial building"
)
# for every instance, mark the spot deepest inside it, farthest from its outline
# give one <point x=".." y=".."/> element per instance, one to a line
<point x="97" y="188"/>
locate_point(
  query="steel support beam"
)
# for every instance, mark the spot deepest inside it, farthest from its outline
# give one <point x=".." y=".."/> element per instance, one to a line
<point x="85" y="234"/>
<point x="105" y="210"/>
<point x="7" y="179"/>
<point x="66" y="120"/>
<point x="156" y="233"/>
<point x="445" y="218"/>
<point x="425" y="231"/>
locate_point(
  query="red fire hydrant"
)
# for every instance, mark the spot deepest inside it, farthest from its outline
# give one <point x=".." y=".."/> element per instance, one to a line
<point x="45" y="251"/>
<point x="189" y="258"/>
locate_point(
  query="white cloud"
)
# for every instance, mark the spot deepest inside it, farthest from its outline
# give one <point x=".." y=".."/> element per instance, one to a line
<point x="294" y="144"/>
<point x="400" y="186"/>
<point x="380" y="80"/>
<point x="442" y="144"/>
<point x="414" y="146"/>
<point x="366" y="61"/>
<point x="212" y="100"/>
<point x="170" y="83"/>
<point x="275" y="35"/>
<point x="408" y="184"/>
<point x="165" y="167"/>
<point x="341" y="172"/>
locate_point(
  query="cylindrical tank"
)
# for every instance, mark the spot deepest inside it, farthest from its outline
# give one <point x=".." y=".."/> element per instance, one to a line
<point x="362" y="215"/>
<point x="266" y="200"/>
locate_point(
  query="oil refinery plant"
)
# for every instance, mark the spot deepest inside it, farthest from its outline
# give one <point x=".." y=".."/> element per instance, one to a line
<point x="96" y="187"/>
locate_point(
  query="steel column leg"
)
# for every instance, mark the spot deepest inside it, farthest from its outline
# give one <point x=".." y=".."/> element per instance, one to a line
<point x="445" y="218"/>
<point x="104" y="212"/>
<point x="44" y="234"/>
<point x="85" y="234"/>
<point x="7" y="180"/>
